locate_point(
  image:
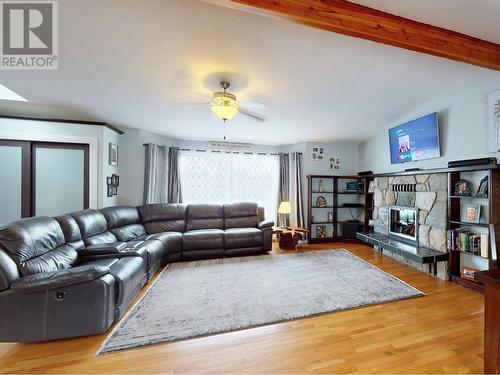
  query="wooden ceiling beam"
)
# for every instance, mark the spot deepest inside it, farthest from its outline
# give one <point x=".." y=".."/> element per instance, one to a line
<point x="356" y="20"/>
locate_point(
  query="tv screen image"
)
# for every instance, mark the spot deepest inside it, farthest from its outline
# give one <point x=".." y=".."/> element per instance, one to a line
<point x="415" y="140"/>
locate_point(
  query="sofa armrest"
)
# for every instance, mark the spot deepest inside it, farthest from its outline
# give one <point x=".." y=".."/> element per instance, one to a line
<point x="57" y="279"/>
<point x="265" y="224"/>
<point x="122" y="250"/>
<point x="103" y="249"/>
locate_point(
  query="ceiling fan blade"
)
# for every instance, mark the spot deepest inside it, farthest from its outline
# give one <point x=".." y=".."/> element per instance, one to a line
<point x="253" y="115"/>
<point x="193" y="103"/>
<point x="253" y="106"/>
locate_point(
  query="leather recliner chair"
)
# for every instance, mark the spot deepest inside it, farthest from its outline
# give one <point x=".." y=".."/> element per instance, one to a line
<point x="75" y="274"/>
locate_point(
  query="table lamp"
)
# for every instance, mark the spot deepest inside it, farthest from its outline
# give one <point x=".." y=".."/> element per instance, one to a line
<point x="284" y="208"/>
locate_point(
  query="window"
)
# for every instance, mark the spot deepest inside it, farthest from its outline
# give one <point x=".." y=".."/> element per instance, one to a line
<point x="213" y="177"/>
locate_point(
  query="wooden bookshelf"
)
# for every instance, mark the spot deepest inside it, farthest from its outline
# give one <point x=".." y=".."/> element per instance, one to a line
<point x="334" y="191"/>
<point x="489" y="221"/>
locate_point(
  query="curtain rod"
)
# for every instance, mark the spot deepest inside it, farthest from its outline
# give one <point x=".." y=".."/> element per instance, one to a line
<point x="228" y="152"/>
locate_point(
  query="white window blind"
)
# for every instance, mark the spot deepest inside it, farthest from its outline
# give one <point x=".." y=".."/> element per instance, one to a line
<point x="217" y="178"/>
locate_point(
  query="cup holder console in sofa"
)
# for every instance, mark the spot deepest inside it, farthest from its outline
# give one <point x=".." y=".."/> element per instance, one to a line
<point x="75" y="274"/>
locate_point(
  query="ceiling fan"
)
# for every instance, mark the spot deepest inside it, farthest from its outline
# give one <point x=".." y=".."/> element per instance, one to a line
<point x="225" y="105"/>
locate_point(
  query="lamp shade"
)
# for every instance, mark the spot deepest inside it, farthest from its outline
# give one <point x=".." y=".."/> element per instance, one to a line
<point x="284" y="208"/>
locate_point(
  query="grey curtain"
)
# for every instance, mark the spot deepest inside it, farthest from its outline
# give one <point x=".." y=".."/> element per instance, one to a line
<point x="155" y="174"/>
<point x="174" y="180"/>
<point x="284" y="185"/>
<point x="296" y="203"/>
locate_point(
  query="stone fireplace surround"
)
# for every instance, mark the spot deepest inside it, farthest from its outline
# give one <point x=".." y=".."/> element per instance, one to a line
<point x="427" y="192"/>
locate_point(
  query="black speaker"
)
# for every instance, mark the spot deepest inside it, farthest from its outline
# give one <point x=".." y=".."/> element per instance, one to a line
<point x="469" y="162"/>
<point x="365" y="173"/>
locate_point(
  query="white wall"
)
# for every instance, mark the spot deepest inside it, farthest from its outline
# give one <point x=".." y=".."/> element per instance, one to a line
<point x="463" y="124"/>
<point x="347" y="152"/>
<point x="131" y="166"/>
<point x="109" y="136"/>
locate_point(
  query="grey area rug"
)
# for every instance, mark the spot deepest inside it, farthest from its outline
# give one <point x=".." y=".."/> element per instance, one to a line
<point x="206" y="297"/>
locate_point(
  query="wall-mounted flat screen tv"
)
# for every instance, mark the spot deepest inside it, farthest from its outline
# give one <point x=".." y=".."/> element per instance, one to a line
<point x="415" y="140"/>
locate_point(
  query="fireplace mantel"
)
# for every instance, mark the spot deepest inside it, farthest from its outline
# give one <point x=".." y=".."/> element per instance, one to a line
<point x="419" y="254"/>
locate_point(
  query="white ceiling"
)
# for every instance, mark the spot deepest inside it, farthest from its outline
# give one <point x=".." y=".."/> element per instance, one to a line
<point x="148" y="65"/>
<point x="478" y="18"/>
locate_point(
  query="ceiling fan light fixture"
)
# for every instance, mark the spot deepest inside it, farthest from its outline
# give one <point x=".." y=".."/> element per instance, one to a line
<point x="224" y="105"/>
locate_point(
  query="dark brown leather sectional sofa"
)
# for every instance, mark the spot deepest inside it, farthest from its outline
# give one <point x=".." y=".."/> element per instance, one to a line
<point x="75" y="274"/>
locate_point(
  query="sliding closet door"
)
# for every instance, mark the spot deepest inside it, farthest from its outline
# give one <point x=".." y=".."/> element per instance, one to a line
<point x="14" y="181"/>
<point x="60" y="176"/>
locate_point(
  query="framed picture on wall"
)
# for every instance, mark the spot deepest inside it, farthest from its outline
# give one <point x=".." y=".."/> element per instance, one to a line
<point x="317" y="153"/>
<point x="113" y="154"/>
<point x="494" y="120"/>
<point x="335" y="163"/>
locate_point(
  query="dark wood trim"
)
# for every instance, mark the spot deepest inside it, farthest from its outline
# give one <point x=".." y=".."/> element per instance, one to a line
<point x="367" y="205"/>
<point x="80" y="122"/>
<point x="478" y="287"/>
<point x="25" y="173"/>
<point x="454" y="221"/>
<point x="360" y="21"/>
<point x="482" y="167"/>
<point x="86" y="176"/>
<point x="68" y="146"/>
<point x="340" y="177"/>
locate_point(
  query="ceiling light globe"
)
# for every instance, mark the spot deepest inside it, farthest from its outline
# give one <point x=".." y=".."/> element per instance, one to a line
<point x="224" y="107"/>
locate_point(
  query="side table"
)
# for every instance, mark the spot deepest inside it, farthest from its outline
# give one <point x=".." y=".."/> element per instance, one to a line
<point x="289" y="236"/>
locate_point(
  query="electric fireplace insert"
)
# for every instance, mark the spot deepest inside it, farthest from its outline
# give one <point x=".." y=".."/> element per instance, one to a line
<point x="403" y="223"/>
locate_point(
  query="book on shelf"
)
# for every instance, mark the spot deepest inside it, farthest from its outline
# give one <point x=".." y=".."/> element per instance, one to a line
<point x="463" y="239"/>
<point x="484" y="245"/>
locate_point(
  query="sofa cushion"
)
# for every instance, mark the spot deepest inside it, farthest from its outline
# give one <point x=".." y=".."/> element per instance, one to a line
<point x="71" y="231"/>
<point x="91" y="222"/>
<point x="172" y="241"/>
<point x="161" y="217"/>
<point x="8" y="270"/>
<point x="242" y="237"/>
<point x="200" y="239"/>
<point x="31" y="237"/>
<point x="261" y="213"/>
<point x="129" y="232"/>
<point x="69" y="227"/>
<point x="58" y="259"/>
<point x="204" y="216"/>
<point x="119" y="216"/>
<point x="93" y="227"/>
<point x="240" y="215"/>
<point x="37" y="245"/>
<point x="124" y="222"/>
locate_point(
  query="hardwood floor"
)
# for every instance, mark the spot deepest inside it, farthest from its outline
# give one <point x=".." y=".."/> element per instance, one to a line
<point x="439" y="333"/>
